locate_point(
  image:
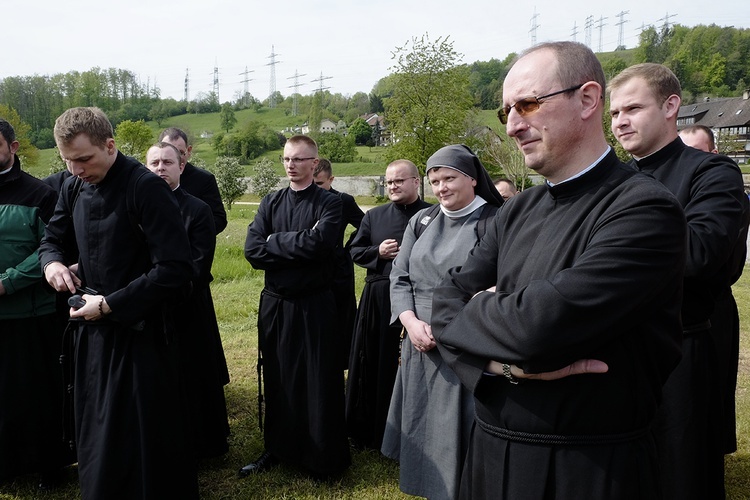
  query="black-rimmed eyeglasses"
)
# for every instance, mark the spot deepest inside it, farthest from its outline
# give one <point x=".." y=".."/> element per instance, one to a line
<point x="530" y="104"/>
<point x="396" y="182"/>
<point x="296" y="161"/>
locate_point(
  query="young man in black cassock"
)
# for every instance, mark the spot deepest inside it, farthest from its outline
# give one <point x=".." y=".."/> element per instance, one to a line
<point x="343" y="288"/>
<point x="582" y="274"/>
<point x="292" y="238"/>
<point x="203" y="367"/>
<point x="374" y="359"/>
<point x="130" y="430"/>
<point x="197" y="181"/>
<point x="645" y="101"/>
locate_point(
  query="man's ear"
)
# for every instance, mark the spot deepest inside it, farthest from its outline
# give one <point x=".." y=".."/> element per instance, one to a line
<point x="672" y="105"/>
<point x="591" y="96"/>
<point x="14" y="147"/>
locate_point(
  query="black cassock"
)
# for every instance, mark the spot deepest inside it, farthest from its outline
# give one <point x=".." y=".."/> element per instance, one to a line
<point x="292" y="238"/>
<point x="130" y="422"/>
<point x="698" y="410"/>
<point x="343" y="288"/>
<point x="588" y="269"/>
<point x="202" y="184"/>
<point x="374" y="360"/>
<point x="202" y="361"/>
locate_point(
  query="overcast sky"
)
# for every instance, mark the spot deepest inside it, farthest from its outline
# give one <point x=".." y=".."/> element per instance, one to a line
<point x="349" y="44"/>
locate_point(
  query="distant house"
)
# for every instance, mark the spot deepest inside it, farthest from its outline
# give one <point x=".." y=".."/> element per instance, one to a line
<point x="378" y="122"/>
<point x="326" y="125"/>
<point x="729" y="118"/>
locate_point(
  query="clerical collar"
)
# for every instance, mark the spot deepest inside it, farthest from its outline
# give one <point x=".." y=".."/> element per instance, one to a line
<point x="299" y="190"/>
<point x="175" y="189"/>
<point x="477" y="202"/>
<point x="7" y="170"/>
<point x="606" y="152"/>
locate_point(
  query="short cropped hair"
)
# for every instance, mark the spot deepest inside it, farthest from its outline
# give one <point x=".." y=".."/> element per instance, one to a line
<point x="304" y="139"/>
<point x="323" y="166"/>
<point x="89" y="121"/>
<point x="173" y="133"/>
<point x="413" y="170"/>
<point x="7" y="131"/>
<point x="660" y="80"/>
<point x="576" y="63"/>
<point x="696" y="129"/>
<point x="166" y="145"/>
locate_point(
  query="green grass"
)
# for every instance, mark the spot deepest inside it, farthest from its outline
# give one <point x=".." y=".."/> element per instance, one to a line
<point x="236" y="291"/>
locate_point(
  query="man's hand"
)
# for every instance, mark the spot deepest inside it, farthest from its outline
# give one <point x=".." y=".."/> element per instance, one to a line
<point x="388" y="249"/>
<point x="61" y="278"/>
<point x="576" y="368"/>
<point x="2" y="289"/>
<point x="91" y="310"/>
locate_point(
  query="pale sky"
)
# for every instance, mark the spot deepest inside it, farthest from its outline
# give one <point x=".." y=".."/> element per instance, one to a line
<point x="349" y="44"/>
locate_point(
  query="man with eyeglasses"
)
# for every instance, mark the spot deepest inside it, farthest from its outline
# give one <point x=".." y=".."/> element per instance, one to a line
<point x="343" y="289"/>
<point x="196" y="181"/>
<point x="374" y="358"/>
<point x="691" y="426"/>
<point x="293" y="238"/>
<point x="564" y="320"/>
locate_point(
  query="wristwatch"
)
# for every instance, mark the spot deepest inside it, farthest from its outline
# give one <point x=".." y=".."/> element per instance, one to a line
<point x="508" y="374"/>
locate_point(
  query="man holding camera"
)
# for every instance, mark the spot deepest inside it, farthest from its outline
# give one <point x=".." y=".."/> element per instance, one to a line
<point x="129" y="423"/>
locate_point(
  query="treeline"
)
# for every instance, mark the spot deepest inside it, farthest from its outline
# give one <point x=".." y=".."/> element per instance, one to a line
<point x="709" y="60"/>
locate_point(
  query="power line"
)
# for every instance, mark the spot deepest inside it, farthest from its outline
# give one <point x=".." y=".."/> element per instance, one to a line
<point x="321" y="88"/>
<point x="272" y="89"/>
<point x="621" y="25"/>
<point x="296" y="87"/>
<point x="600" y="26"/>
<point x="534" y="27"/>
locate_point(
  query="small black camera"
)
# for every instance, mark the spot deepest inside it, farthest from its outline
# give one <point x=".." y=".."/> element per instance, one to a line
<point x="76" y="301"/>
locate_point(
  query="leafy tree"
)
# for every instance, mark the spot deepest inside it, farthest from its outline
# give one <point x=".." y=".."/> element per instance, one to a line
<point x="230" y="179"/>
<point x="376" y="103"/>
<point x="265" y="179"/>
<point x="159" y="112"/>
<point x="430" y="99"/>
<point x="335" y="147"/>
<point x="27" y="152"/>
<point x="227" y="118"/>
<point x="316" y="113"/>
<point x="134" y="138"/>
<point x="360" y="131"/>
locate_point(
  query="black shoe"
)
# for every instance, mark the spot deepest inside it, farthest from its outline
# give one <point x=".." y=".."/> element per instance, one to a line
<point x="49" y="480"/>
<point x="265" y="462"/>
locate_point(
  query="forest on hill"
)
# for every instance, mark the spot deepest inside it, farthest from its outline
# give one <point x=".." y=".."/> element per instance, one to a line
<point x="709" y="61"/>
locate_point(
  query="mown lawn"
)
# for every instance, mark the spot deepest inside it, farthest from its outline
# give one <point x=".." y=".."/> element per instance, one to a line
<point x="236" y="290"/>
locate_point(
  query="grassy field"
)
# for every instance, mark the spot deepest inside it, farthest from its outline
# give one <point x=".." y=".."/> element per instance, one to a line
<point x="236" y="291"/>
<point x="369" y="160"/>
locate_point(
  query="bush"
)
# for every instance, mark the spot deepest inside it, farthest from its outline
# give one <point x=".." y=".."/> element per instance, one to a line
<point x="265" y="179"/>
<point x="230" y="178"/>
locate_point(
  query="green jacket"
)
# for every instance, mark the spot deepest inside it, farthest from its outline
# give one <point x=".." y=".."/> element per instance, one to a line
<point x="26" y="205"/>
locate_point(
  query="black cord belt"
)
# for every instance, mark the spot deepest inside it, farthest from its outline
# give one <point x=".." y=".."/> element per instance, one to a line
<point x="558" y="439"/>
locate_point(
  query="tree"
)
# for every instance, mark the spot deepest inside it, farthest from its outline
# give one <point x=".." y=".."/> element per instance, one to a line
<point x="335" y="147"/>
<point x="316" y="113"/>
<point x="28" y="153"/>
<point x="227" y="118"/>
<point x="360" y="131"/>
<point x="134" y="138"/>
<point x="430" y="99"/>
<point x="503" y="152"/>
<point x="265" y="179"/>
<point x="230" y="178"/>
